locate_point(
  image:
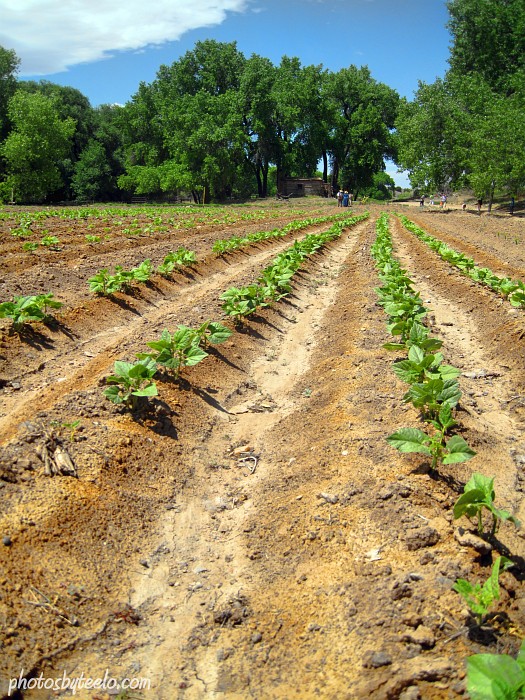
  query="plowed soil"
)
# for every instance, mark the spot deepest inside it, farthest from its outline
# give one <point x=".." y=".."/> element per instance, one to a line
<point x="249" y="533"/>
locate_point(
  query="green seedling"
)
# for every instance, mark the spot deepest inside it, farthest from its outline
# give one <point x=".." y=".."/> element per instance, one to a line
<point x="417" y="334"/>
<point x="175" y="351"/>
<point x="123" y="278"/>
<point x="213" y="332"/>
<point x="430" y="395"/>
<point x="142" y="272"/>
<point x="442" y="451"/>
<point x="496" y="676"/>
<point x="479" y="597"/>
<point x="30" y="246"/>
<point x="132" y="381"/>
<point x="479" y="494"/>
<point x="71" y="427"/>
<point x="50" y="241"/>
<point x="241" y="302"/>
<point x="182" y="257"/>
<point x="103" y="283"/>
<point x="420" y="367"/>
<point x="28" y="308"/>
<point x="92" y="239"/>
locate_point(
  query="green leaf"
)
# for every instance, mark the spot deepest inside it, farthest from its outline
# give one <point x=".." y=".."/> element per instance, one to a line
<point x="469" y="503"/>
<point x="113" y="393"/>
<point x="410" y="440"/>
<point x="458" y="450"/>
<point x="494" y="677"/>
<point x="150" y="390"/>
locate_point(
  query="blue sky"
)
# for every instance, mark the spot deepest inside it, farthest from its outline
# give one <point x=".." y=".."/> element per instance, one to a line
<point x="104" y="48"/>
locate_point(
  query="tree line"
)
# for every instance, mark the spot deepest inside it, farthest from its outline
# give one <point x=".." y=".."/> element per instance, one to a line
<point x="217" y="122"/>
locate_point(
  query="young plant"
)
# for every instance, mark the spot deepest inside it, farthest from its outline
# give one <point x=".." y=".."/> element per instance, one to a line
<point x="71" y="427"/>
<point x="480" y="597"/>
<point x="30" y="246"/>
<point x="241" y="302"/>
<point x="142" y="272"/>
<point x="21" y="310"/>
<point x="213" y="332"/>
<point x="431" y="394"/>
<point x="92" y="239"/>
<point x="182" y="257"/>
<point x="131" y="380"/>
<point x="479" y="494"/>
<point x="123" y="279"/>
<point x="421" y="366"/>
<point x="177" y="350"/>
<point x="496" y="676"/>
<point x="29" y="308"/>
<point x="50" y="241"/>
<point x="46" y="301"/>
<point x="103" y="283"/>
<point x="442" y="451"/>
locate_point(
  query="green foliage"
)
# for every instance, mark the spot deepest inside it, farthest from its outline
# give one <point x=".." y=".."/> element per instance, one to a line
<point x="91" y="172"/>
<point x="50" y="241"/>
<point x="131" y="381"/>
<point x="513" y="290"/>
<point x="177" y="350"/>
<point x="480" y="597"/>
<point x="103" y="283"/>
<point x="433" y="386"/>
<point x="241" y="302"/>
<point x="488" y="40"/>
<point x="479" y="494"/>
<point x="38" y="142"/>
<point x="24" y="309"/>
<point x="496" y="676"/>
<point x="182" y="257"/>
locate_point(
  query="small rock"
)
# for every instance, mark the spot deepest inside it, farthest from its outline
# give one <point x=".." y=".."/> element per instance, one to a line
<point x="421" y="537"/>
<point x="314" y="627"/>
<point x="376" y="659"/>
<point x="410" y="693"/>
<point x="256" y="638"/>
<point x="223" y="654"/>
<point x="7" y="541"/>
<point x="328" y="497"/>
<point x="144" y="563"/>
<point x="422" y="635"/>
<point x="469" y="539"/>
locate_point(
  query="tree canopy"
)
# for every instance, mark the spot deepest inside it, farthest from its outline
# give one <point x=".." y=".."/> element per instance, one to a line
<point x="467" y="129"/>
<point x="212" y="122"/>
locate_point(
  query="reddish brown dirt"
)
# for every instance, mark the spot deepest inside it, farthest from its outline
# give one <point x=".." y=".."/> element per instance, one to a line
<point x="322" y="567"/>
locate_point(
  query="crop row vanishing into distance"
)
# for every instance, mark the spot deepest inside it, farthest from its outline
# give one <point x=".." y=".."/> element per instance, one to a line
<point x="182" y="348"/>
<point x="513" y="290"/>
<point x="435" y="392"/>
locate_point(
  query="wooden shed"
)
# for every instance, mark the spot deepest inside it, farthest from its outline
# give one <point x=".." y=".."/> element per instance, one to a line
<point x="302" y="186"/>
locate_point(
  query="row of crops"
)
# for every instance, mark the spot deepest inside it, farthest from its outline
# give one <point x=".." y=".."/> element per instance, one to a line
<point x="131" y="221"/>
<point x="434" y="391"/>
<point x="186" y="347"/>
<point x="31" y="308"/>
<point x="513" y="290"/>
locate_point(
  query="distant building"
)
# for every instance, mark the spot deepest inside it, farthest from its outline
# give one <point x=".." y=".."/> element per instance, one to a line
<point x="302" y="186"/>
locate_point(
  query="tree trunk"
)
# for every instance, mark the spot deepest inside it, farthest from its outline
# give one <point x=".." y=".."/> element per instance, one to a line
<point x="265" y="180"/>
<point x="260" y="186"/>
<point x="325" y="166"/>
<point x="335" y="175"/>
<point x="491" y="196"/>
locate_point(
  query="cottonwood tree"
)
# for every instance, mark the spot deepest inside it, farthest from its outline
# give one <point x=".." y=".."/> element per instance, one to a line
<point x="36" y="146"/>
<point x="361" y="134"/>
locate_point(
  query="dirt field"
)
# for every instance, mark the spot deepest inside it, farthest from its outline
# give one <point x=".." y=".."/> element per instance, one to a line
<point x="320" y="567"/>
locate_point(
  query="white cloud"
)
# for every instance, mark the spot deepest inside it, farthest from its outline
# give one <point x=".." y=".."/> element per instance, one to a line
<point x="51" y="35"/>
